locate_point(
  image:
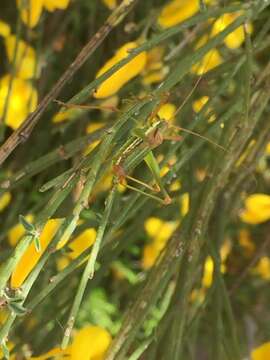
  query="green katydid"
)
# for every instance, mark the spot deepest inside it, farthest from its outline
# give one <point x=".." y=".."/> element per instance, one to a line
<point x="146" y="139"/>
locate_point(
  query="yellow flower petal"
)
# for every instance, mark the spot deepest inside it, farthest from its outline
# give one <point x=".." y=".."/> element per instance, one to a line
<point x="103" y="185"/>
<point x="263" y="268"/>
<point x="153" y="77"/>
<point x="208" y="62"/>
<point x="208" y="272"/>
<point x="152" y="226"/>
<point x="90" y="342"/>
<point x="62" y="262"/>
<point x="4" y="29"/>
<point x="30" y="11"/>
<point x="91" y="147"/>
<point x="164" y="170"/>
<point x="175" y="185"/>
<point x="150" y="255"/>
<point x="167" y="112"/>
<point x="184" y="200"/>
<point x="17" y="231"/>
<point x="257" y="209"/>
<point x="82" y="242"/>
<point x="93" y="126"/>
<point x="225" y="250"/>
<point x="111" y="4"/>
<point x="177" y="11"/>
<point x="114" y="83"/>
<point x="235" y="39"/>
<point x="31" y="256"/>
<point x="160" y="231"/>
<point x="22" y="101"/>
<point x="5" y="200"/>
<point x="154" y="71"/>
<point x="52" y="5"/>
<point x="197" y="105"/>
<point x="26" y="61"/>
<point x="262" y="352"/>
<point x="65" y="115"/>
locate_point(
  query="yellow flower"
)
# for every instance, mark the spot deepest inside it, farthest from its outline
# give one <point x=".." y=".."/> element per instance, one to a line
<point x="115" y="82"/>
<point x="150" y="255"/>
<point x="167" y="112"/>
<point x="159" y="231"/>
<point x="94" y="126"/>
<point x="263" y="268"/>
<point x="82" y="242"/>
<point x="154" y="71"/>
<point x="103" y="185"/>
<point x="31" y="256"/>
<point x="52" y="5"/>
<point x="62" y="262"/>
<point x="262" y="352"/>
<point x="17" y="231"/>
<point x="257" y="209"/>
<point x="208" y="62"/>
<point x="111" y="4"/>
<point x="175" y="185"/>
<point x="90" y="343"/>
<point x="268" y="149"/>
<point x="225" y="250"/>
<point x="198" y="104"/>
<point x="31" y="10"/>
<point x="184" y="201"/>
<point x="76" y="247"/>
<point x="4" y="29"/>
<point x="164" y="170"/>
<point x="177" y="11"/>
<point x="26" y="61"/>
<point x="208" y="270"/>
<point x="235" y="38"/>
<point x="5" y="200"/>
<point x="22" y="100"/>
<point x="65" y="115"/>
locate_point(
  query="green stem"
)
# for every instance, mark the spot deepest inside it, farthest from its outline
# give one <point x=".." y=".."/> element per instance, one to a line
<point x="89" y="269"/>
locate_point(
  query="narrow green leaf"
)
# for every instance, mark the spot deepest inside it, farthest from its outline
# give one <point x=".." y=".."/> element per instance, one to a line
<point x="26" y="224"/>
<point x="37" y="243"/>
<point x="5" y="350"/>
<point x="17" y="308"/>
